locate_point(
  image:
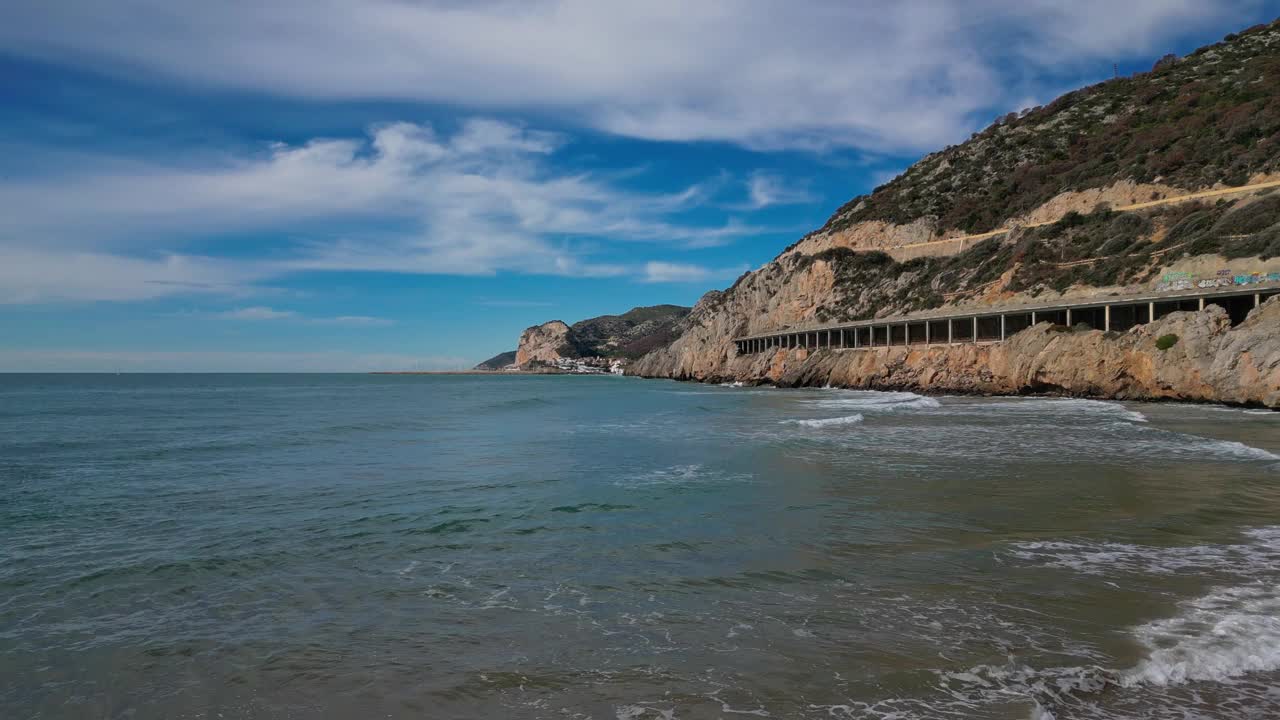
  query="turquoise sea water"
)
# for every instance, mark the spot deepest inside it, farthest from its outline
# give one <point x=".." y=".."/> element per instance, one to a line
<point x="595" y="547"/>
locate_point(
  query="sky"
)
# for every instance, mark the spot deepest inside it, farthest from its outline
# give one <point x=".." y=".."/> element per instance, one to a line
<point x="353" y="185"/>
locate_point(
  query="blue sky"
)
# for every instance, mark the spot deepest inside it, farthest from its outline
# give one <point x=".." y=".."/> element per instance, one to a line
<point x="407" y="184"/>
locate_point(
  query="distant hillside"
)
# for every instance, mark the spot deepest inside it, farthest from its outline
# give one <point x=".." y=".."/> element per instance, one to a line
<point x="497" y="362"/>
<point x="629" y="335"/>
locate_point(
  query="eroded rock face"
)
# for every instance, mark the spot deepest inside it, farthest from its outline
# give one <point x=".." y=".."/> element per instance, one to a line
<point x="1211" y="361"/>
<point x="547" y="343"/>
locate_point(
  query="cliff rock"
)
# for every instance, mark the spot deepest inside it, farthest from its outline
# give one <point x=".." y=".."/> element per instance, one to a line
<point x="1210" y="361"/>
<point x="546" y="343"/>
<point x="1032" y="198"/>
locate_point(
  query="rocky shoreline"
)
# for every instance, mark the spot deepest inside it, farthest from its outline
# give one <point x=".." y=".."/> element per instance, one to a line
<point x="1210" y="361"/>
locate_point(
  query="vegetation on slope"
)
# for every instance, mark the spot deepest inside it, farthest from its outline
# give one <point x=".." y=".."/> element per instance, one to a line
<point x="629" y="335"/>
<point x="1213" y="116"/>
<point x="1098" y="249"/>
<point x="497" y="362"/>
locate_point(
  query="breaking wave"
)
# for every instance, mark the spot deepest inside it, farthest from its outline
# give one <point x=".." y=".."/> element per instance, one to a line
<point x="1220" y="637"/>
<point x="1096" y="558"/>
<point x="1102" y="409"/>
<point x="878" y="401"/>
<point x="1239" y="449"/>
<point x="825" y="422"/>
<point x="1228" y="633"/>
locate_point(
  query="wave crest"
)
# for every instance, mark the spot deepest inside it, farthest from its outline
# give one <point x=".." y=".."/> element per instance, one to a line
<point x="825" y="422"/>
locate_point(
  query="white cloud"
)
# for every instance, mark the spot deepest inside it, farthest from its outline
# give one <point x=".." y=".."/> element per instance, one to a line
<point x="483" y="201"/>
<point x="766" y="189"/>
<point x="499" y="302"/>
<point x="670" y="272"/>
<point x="765" y="73"/>
<point x="37" y="275"/>
<point x="258" y="313"/>
<point x="61" y="360"/>
<point x="355" y="321"/>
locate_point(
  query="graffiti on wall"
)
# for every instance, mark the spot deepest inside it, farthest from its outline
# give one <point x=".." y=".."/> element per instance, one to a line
<point x="1173" y="281"/>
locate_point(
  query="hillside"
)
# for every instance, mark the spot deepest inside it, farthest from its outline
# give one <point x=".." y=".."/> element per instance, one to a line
<point x="630" y="334"/>
<point x="1210" y="120"/>
<point x="497" y="362"/>
<point x="1211" y="117"/>
<point x="626" y="336"/>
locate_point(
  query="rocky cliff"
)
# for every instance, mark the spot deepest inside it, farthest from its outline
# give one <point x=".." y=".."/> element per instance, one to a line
<point x="1209" y="361"/>
<point x="628" y="336"/>
<point x="546" y="343"/>
<point x="1062" y="167"/>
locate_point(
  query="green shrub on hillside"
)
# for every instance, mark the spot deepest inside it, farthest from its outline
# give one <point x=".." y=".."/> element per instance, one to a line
<point x="1211" y="117"/>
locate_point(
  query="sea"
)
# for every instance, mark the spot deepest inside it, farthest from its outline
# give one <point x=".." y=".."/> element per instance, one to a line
<point x="367" y="546"/>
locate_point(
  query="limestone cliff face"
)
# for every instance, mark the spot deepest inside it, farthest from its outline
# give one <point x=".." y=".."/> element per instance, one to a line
<point x="1211" y="361"/>
<point x="546" y="343"/>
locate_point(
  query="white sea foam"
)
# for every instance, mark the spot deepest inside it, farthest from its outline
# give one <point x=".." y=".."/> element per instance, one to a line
<point x="1262" y="552"/>
<point x="878" y="401"/>
<point x="1101" y="409"/>
<point x="681" y="475"/>
<point x="825" y="422"/>
<point x="1170" y="443"/>
<point x="639" y="712"/>
<point x="1239" y="449"/>
<point x="1228" y="633"/>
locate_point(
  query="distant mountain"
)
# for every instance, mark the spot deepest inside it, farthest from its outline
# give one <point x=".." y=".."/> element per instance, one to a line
<point x="497" y="362"/>
<point x="627" y="336"/>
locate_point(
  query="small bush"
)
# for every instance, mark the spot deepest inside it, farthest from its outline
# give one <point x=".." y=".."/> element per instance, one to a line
<point x="1164" y="342"/>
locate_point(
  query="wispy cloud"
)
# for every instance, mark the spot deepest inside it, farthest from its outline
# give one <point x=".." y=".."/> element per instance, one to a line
<point x="263" y="313"/>
<point x="670" y="272"/>
<point x="38" y="274"/>
<point x="911" y="75"/>
<point x="258" y="313"/>
<point x="501" y="302"/>
<point x="766" y="189"/>
<point x="482" y="201"/>
<point x="354" y="321"/>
